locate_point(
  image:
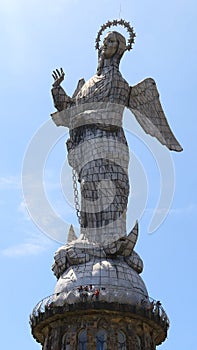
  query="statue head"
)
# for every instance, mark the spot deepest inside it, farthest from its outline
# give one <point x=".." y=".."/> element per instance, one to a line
<point x="119" y="37"/>
<point x="114" y="46"/>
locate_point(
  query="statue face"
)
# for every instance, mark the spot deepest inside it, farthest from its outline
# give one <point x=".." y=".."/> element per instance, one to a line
<point x="110" y="45"/>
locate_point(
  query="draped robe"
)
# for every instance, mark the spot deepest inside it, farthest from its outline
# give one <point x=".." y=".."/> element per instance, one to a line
<point x="98" y="151"/>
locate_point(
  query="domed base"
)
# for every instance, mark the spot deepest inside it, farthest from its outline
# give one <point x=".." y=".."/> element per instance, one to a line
<point x="113" y="280"/>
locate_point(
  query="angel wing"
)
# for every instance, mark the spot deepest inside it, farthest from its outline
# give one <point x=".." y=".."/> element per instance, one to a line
<point x="145" y="104"/>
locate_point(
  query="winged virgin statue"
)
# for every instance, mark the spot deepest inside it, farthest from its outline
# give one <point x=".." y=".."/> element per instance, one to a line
<point x="97" y="147"/>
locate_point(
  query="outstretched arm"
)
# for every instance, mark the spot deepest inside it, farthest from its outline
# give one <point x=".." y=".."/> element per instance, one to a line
<point x="60" y="98"/>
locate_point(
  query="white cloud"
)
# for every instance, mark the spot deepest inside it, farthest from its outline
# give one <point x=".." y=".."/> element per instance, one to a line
<point x="10" y="182"/>
<point x="190" y="209"/>
<point x="23" y="210"/>
<point x="23" y="249"/>
<point x="33" y="245"/>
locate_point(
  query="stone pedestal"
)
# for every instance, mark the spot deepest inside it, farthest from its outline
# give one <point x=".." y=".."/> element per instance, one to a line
<point x="98" y="325"/>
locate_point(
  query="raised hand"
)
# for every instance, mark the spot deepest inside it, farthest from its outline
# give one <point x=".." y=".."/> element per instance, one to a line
<point x="58" y="76"/>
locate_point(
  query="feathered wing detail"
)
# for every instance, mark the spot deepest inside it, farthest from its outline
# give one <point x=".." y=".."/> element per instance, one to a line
<point x="145" y="105"/>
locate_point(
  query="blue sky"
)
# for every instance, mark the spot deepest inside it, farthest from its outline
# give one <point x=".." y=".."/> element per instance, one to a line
<point x="37" y="37"/>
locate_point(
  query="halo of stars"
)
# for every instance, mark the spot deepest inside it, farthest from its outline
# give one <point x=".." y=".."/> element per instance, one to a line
<point x="117" y="22"/>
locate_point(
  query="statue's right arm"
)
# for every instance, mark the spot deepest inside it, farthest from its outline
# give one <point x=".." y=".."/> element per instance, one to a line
<point x="60" y="98"/>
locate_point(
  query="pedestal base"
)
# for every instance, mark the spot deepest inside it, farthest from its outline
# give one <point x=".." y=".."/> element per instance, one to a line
<point x="116" y="326"/>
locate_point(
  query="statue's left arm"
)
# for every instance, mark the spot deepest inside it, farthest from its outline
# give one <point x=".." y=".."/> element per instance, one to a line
<point x="145" y="105"/>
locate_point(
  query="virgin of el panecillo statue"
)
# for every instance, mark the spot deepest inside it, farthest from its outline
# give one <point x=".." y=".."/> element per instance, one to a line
<point x="97" y="147"/>
<point x="100" y="299"/>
